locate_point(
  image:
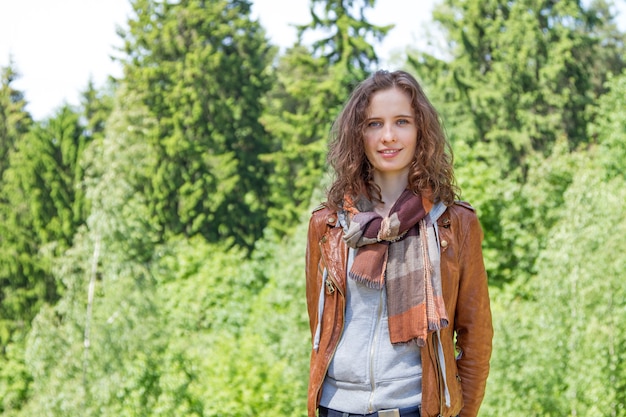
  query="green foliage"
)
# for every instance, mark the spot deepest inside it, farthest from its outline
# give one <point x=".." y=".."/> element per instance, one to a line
<point x="299" y="113"/>
<point x="542" y="56"/>
<point x="200" y="70"/>
<point x="309" y="90"/>
<point x="516" y="87"/>
<point x="609" y="129"/>
<point x="557" y="351"/>
<point x="117" y="330"/>
<point x="14" y="120"/>
<point x="280" y="320"/>
<point x="558" y="354"/>
<point x="96" y="106"/>
<point x="15" y="379"/>
<point x="120" y="165"/>
<point x="41" y="207"/>
<point x="152" y="242"/>
<point x="14" y="123"/>
<point x="186" y="335"/>
<point x="350" y="37"/>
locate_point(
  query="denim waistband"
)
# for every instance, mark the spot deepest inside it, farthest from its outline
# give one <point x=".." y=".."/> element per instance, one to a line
<point x="394" y="412"/>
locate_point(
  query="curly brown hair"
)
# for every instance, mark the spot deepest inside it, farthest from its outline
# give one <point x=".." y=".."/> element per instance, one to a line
<point x="431" y="172"/>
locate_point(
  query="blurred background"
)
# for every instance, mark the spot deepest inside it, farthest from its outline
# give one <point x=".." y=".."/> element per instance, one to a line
<point x="159" y="161"/>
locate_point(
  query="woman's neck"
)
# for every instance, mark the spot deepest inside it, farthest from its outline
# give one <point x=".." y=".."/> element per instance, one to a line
<point x="391" y="187"/>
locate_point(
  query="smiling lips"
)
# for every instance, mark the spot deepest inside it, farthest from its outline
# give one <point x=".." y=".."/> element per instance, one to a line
<point x="389" y="152"/>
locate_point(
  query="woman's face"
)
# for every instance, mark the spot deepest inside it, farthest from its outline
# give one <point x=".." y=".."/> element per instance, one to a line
<point x="390" y="133"/>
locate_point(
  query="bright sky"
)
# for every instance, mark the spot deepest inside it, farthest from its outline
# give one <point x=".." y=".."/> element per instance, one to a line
<point x="57" y="46"/>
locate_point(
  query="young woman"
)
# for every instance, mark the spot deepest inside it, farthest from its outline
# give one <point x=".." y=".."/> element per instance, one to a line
<point x="396" y="285"/>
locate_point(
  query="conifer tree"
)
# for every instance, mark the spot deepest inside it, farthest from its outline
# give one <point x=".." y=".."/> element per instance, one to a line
<point x="312" y="82"/>
<point x="348" y="38"/>
<point x="14" y="378"/>
<point x="515" y="87"/>
<point x="96" y="107"/>
<point x="200" y="70"/>
<point x="526" y="69"/>
<point x="14" y="120"/>
<point x="42" y="206"/>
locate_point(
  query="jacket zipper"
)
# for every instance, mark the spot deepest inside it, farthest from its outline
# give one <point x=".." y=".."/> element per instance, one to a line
<point x="334" y="284"/>
<point x="329" y="287"/>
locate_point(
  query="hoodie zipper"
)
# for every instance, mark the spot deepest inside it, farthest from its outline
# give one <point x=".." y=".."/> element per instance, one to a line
<point x="370" y="405"/>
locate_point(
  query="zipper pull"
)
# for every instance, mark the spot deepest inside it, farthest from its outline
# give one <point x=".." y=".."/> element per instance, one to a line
<point x="330" y="287"/>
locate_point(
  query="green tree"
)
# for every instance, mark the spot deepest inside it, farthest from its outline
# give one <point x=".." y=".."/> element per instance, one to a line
<point x="157" y="338"/>
<point x="200" y="70"/>
<point x="527" y="69"/>
<point x="14" y="120"/>
<point x="14" y="123"/>
<point x="119" y="166"/>
<point x="41" y="206"/>
<point x="349" y="39"/>
<point x="515" y="87"/>
<point x="298" y="115"/>
<point x="557" y="350"/>
<point x="286" y="337"/>
<point x="96" y="105"/>
<point x="312" y="83"/>
<point x="97" y="351"/>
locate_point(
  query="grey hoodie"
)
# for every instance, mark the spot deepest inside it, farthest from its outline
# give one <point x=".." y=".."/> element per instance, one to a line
<point x="367" y="372"/>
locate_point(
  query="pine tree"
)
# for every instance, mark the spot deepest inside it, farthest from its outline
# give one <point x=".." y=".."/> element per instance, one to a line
<point x="96" y="107"/>
<point x="14" y="120"/>
<point x="350" y="37"/>
<point x="527" y="69"/>
<point x="515" y="88"/>
<point x="42" y="206"/>
<point x="200" y="70"/>
<point x="311" y="85"/>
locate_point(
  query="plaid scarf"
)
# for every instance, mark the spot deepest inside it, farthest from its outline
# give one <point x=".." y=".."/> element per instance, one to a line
<point x="394" y="252"/>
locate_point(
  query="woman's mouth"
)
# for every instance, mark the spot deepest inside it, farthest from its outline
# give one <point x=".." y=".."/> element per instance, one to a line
<point x="389" y="152"/>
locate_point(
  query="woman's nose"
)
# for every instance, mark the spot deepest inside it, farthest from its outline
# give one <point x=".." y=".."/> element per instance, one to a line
<point x="388" y="134"/>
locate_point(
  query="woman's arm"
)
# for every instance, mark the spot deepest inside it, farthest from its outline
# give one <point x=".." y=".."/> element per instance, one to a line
<point x="473" y="326"/>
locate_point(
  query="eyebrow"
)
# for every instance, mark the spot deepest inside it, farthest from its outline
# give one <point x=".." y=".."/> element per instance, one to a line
<point x="410" y="116"/>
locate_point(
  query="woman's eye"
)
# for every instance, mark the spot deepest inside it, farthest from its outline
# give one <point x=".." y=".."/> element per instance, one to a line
<point x="403" y="122"/>
<point x="373" y="124"/>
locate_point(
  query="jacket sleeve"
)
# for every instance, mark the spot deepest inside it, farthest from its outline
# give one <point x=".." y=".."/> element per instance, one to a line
<point x="473" y="326"/>
<point x="313" y="256"/>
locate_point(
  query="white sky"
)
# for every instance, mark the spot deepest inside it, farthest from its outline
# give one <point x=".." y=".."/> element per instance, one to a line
<point x="58" y="45"/>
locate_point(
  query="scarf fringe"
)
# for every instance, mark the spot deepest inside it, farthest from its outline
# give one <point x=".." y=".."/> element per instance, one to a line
<point x="367" y="281"/>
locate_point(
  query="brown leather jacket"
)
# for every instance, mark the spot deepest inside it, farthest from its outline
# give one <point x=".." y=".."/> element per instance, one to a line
<point x="464" y="283"/>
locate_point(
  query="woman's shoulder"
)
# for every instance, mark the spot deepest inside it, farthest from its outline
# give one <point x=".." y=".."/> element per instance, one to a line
<point x="463" y="212"/>
<point x="323" y="214"/>
<point x="320" y="207"/>
<point x="465" y="205"/>
<point x="320" y="210"/>
<point x="462" y="209"/>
